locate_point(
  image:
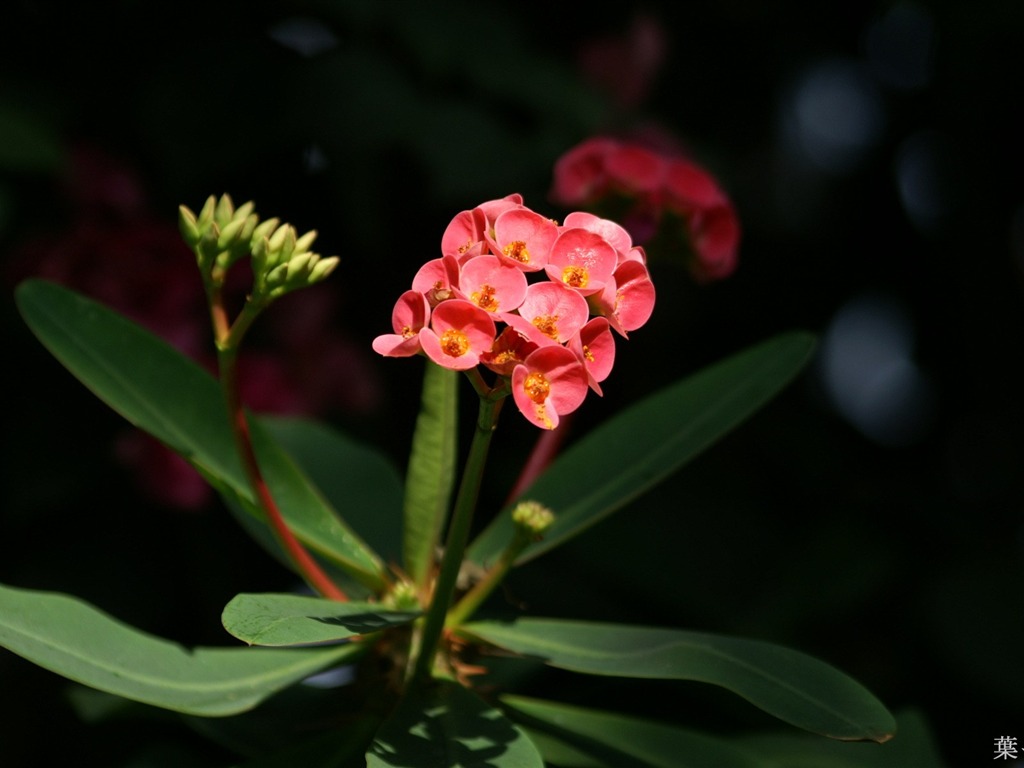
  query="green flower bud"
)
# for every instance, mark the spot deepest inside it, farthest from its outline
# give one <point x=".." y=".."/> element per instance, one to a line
<point x="403" y="597"/>
<point x="277" y="240"/>
<point x="322" y="269"/>
<point x="261" y="233"/>
<point x="206" y="214"/>
<point x="188" y="226"/>
<point x="243" y="211"/>
<point x="225" y="210"/>
<point x="303" y="243"/>
<point x="298" y="267"/>
<point x="532" y="518"/>
<point x="229" y="233"/>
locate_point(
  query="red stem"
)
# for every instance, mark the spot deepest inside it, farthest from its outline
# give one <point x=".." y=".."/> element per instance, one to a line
<point x="227" y="358"/>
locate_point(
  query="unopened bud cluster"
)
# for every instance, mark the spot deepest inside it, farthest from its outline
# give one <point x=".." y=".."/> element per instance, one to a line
<point x="532" y="518"/>
<point x="221" y="234"/>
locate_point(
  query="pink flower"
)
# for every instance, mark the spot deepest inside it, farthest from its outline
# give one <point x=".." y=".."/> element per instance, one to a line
<point x="628" y="299"/>
<point x="615" y="234"/>
<point x="582" y="260"/>
<point x="523" y="238"/>
<point x="551" y="313"/>
<point x="550" y="383"/>
<point x="464" y="237"/>
<point x="594" y="345"/>
<point x="408" y="318"/>
<point x="492" y="284"/>
<point x="438" y="279"/>
<point x="459" y="333"/>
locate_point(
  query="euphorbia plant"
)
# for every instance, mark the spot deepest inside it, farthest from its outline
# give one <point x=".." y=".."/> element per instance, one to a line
<point x="522" y="307"/>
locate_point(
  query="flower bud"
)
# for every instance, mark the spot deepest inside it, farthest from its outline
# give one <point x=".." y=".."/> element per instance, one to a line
<point x="188" y="226"/>
<point x="225" y="210"/>
<point x="403" y="597"/>
<point x="322" y="269"/>
<point x="206" y="214"/>
<point x="303" y="243"/>
<point x="229" y="233"/>
<point x="532" y="518"/>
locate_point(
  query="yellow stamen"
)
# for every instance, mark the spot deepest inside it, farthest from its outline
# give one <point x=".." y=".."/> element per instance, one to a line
<point x="407" y="332"/>
<point x="537" y="387"/>
<point x="588" y="354"/>
<point x="575" y="276"/>
<point x="546" y="324"/>
<point x="517" y="250"/>
<point x="484" y="298"/>
<point x="454" y="343"/>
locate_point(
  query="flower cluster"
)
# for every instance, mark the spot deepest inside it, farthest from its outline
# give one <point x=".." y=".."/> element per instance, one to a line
<point x="549" y="338"/>
<point x="648" y="187"/>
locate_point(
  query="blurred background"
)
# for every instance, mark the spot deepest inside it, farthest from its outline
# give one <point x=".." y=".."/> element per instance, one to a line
<point x="871" y="515"/>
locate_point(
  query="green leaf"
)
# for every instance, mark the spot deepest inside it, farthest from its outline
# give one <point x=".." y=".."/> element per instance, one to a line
<point x="352" y="476"/>
<point x="446" y="726"/>
<point x="431" y="473"/>
<point x="610" y="467"/>
<point x="298" y="620"/>
<point x="575" y="736"/>
<point x="161" y="391"/>
<point x="80" y="642"/>
<point x="914" y="746"/>
<point x="793" y="687"/>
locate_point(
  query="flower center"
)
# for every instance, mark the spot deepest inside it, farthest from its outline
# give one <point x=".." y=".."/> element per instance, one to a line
<point x="537" y="387"/>
<point x="546" y="324"/>
<point x="407" y="332"/>
<point x="588" y="354"/>
<point x="575" y="276"/>
<point x="438" y="293"/>
<point x="454" y="343"/>
<point x="484" y="298"/>
<point x="517" y="250"/>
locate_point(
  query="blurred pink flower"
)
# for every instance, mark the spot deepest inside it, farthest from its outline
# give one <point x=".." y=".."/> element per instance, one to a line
<point x="657" y="194"/>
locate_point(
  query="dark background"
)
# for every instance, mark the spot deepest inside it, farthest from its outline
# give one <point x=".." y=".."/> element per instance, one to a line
<point x="871" y="515"/>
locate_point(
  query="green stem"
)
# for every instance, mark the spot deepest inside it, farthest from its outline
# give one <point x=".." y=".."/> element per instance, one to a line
<point x="458" y="536"/>
<point x="473" y="599"/>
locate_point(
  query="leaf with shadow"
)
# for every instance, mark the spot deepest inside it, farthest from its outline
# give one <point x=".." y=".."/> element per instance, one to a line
<point x="443" y="725"/>
<point x="270" y="619"/>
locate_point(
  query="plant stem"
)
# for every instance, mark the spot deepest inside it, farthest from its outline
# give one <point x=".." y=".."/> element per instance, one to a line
<point x="458" y="535"/>
<point x="228" y="339"/>
<point x="472" y="600"/>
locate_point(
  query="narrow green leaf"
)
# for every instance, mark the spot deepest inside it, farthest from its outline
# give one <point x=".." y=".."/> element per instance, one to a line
<point x="596" y="738"/>
<point x="590" y="480"/>
<point x="351" y="475"/>
<point x="164" y="393"/>
<point x="298" y="620"/>
<point x="914" y="745"/>
<point x="793" y="687"/>
<point x="431" y="473"/>
<point x="80" y="642"/>
<point x="446" y="726"/>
